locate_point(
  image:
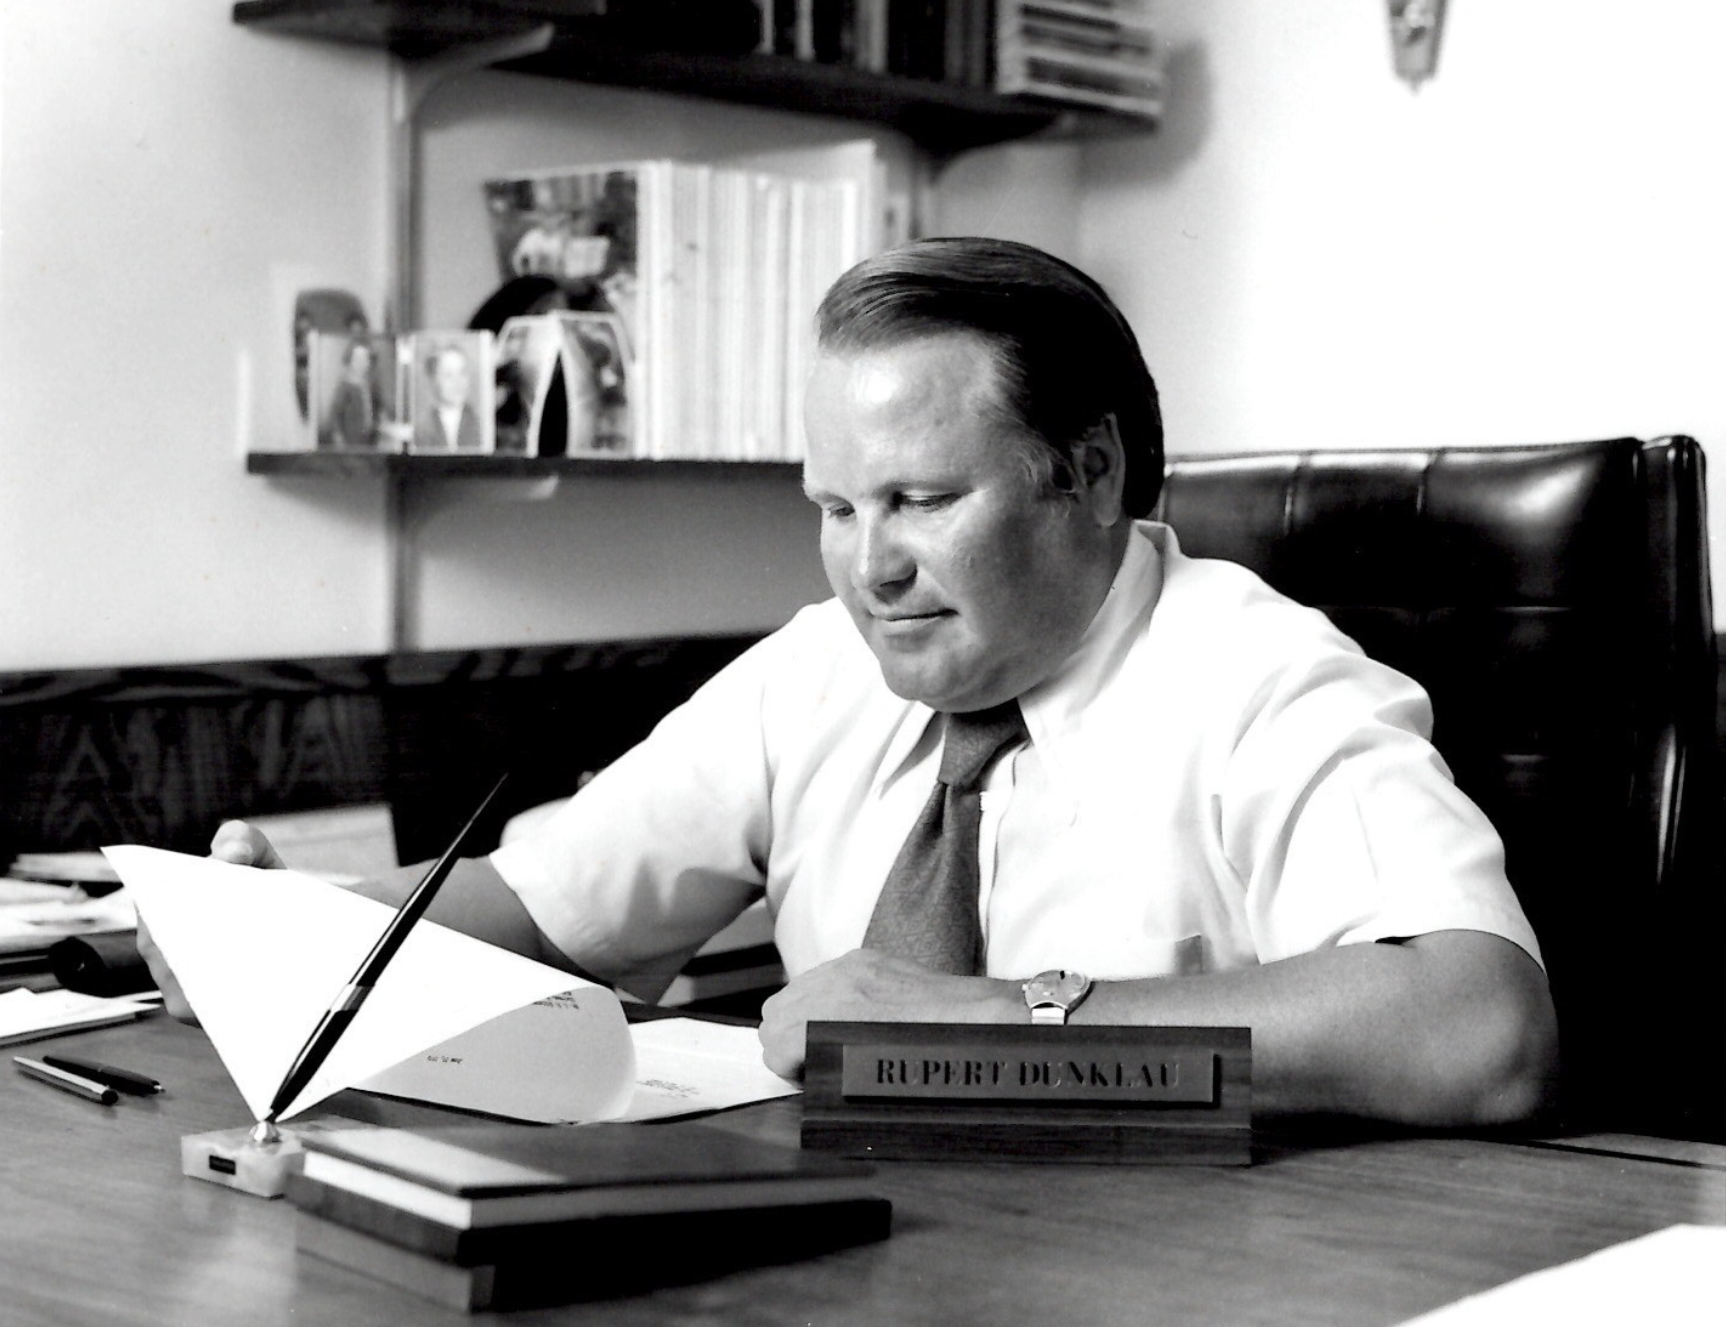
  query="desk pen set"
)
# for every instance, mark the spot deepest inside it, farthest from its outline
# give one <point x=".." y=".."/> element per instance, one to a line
<point x="258" y="1159"/>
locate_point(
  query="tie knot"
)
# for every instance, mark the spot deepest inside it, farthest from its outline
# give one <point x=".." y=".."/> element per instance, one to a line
<point x="973" y="740"/>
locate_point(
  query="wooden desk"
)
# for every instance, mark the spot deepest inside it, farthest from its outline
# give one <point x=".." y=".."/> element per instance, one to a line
<point x="98" y="1226"/>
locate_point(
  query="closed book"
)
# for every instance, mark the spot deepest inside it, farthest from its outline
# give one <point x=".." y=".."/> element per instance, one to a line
<point x="593" y="1258"/>
<point x="484" y="1175"/>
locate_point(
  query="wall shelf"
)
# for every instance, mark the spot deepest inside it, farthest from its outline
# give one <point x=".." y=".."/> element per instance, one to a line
<point x="431" y="41"/>
<point x="355" y="465"/>
<point x="942" y="118"/>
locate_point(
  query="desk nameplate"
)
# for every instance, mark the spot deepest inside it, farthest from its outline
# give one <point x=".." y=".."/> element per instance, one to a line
<point x="916" y="1090"/>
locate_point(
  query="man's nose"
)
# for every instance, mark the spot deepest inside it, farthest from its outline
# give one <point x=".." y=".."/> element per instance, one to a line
<point x="879" y="558"/>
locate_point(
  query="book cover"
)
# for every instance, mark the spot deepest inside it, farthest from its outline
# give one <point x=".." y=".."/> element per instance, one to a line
<point x="856" y="1218"/>
<point x="594" y="1259"/>
<point x="489" y="1175"/>
<point x="580" y="226"/>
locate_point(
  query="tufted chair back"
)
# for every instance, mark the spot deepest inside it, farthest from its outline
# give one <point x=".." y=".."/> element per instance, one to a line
<point x="1554" y="601"/>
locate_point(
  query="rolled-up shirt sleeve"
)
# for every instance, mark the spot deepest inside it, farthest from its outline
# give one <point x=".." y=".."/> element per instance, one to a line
<point x="1343" y="823"/>
<point x="662" y="848"/>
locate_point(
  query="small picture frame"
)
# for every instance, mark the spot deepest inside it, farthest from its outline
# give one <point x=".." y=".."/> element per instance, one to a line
<point x="451" y="394"/>
<point x="598" y="368"/>
<point x="355" y="397"/>
<point x="528" y="347"/>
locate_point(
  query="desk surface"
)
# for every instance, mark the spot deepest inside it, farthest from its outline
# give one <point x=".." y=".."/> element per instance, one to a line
<point x="98" y="1226"/>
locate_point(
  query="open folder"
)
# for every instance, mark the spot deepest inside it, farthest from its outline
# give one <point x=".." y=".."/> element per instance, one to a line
<point x="260" y="955"/>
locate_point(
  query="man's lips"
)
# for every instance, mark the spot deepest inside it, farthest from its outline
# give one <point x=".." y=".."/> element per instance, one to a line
<point x="894" y="618"/>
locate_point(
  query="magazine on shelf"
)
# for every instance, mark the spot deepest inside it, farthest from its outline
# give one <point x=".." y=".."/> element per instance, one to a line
<point x="692" y="289"/>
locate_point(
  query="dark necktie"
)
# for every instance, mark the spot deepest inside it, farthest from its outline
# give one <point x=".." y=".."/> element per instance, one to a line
<point x="927" y="911"/>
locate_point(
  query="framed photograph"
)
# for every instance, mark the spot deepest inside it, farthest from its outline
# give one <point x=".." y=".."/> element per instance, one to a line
<point x="451" y="393"/>
<point x="528" y="349"/>
<point x="320" y="311"/>
<point x="597" y="372"/>
<point x="355" y="398"/>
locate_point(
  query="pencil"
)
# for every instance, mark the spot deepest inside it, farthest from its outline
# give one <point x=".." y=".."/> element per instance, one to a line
<point x="347" y="1003"/>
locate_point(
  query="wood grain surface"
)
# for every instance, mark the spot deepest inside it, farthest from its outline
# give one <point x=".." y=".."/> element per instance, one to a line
<point x="98" y="1226"/>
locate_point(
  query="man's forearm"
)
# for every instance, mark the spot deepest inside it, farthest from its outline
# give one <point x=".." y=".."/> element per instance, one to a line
<point x="1445" y="1029"/>
<point x="475" y="901"/>
<point x="1453" y="1028"/>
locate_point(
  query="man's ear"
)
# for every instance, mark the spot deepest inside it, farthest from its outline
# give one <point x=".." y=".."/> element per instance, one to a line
<point x="1099" y="465"/>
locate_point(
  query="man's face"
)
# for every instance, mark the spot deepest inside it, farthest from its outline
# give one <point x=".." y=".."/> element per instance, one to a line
<point x="968" y="584"/>
<point x="449" y="378"/>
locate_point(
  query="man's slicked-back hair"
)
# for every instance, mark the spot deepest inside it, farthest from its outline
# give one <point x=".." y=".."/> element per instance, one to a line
<point x="1065" y="355"/>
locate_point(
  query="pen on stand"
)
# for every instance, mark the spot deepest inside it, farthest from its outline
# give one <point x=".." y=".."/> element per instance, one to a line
<point x="67" y="1082"/>
<point x="122" y="1080"/>
<point x="347" y="1003"/>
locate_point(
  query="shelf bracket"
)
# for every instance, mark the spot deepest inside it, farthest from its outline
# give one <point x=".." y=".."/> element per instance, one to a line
<point x="411" y="82"/>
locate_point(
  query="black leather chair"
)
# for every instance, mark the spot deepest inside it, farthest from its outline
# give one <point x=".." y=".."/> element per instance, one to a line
<point x="1554" y="600"/>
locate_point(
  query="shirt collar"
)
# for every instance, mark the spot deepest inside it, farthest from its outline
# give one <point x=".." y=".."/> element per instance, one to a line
<point x="1054" y="705"/>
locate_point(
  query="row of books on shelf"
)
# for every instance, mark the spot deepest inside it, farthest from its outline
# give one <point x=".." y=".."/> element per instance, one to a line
<point x="497" y="1216"/>
<point x="1099" y="53"/>
<point x="683" y="329"/>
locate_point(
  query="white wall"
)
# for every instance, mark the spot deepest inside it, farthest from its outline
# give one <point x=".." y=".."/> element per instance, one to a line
<point x="1529" y="247"/>
<point x="166" y="182"/>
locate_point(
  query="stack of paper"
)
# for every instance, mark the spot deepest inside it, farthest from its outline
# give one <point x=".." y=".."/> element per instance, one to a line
<point x="27" y="1015"/>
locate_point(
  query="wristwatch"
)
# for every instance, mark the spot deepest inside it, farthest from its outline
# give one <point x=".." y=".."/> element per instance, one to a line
<point x="1054" y="994"/>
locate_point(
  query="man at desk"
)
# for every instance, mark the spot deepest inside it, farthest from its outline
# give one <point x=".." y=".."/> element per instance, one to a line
<point x="1192" y="790"/>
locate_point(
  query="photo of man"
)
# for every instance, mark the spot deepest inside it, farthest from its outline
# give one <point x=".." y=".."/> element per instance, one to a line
<point x="452" y="385"/>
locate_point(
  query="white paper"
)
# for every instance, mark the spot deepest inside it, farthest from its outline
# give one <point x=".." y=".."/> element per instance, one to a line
<point x="26" y="1015"/>
<point x="554" y="1061"/>
<point x="684" y="1065"/>
<point x="28" y="926"/>
<point x="260" y="955"/>
<point x="1671" y="1277"/>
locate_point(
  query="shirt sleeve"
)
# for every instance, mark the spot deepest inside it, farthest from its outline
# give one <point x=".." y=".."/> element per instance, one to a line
<point x="662" y="848"/>
<point x="1343" y="822"/>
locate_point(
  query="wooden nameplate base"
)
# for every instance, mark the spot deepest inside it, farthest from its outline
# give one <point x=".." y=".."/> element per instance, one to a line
<point x="956" y="1091"/>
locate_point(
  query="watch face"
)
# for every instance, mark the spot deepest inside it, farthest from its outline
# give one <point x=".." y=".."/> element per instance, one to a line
<point x="1058" y="988"/>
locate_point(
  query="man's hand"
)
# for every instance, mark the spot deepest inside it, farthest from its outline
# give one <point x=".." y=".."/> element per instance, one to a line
<point x="241" y="844"/>
<point x="234" y="842"/>
<point x="866" y="985"/>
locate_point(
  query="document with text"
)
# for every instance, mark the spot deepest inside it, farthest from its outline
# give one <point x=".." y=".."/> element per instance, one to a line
<point x="261" y="954"/>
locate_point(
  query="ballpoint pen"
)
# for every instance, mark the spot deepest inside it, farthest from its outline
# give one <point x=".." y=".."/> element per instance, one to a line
<point x="121" y="1080"/>
<point x="66" y="1081"/>
<point x="348" y="1000"/>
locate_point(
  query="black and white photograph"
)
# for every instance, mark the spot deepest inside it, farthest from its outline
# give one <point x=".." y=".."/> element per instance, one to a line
<point x="356" y="391"/>
<point x="451" y="392"/>
<point x="597" y="373"/>
<point x="862" y="663"/>
<point x="528" y="351"/>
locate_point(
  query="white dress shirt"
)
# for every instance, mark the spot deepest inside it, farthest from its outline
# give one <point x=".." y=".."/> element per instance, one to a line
<point x="1216" y="777"/>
